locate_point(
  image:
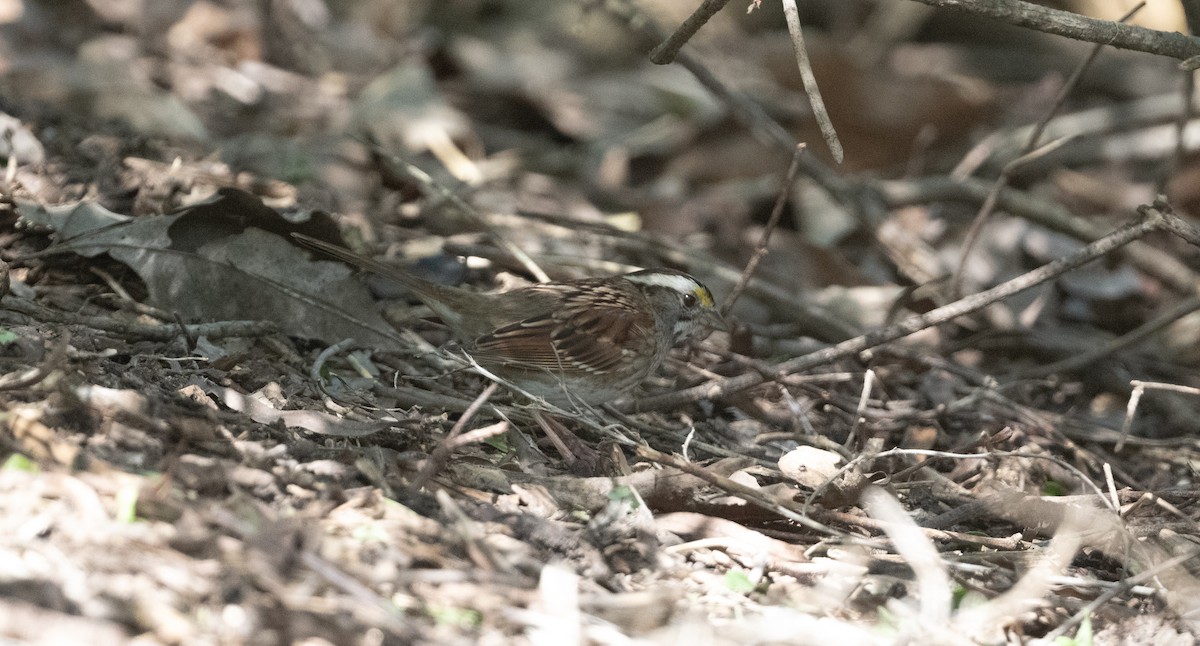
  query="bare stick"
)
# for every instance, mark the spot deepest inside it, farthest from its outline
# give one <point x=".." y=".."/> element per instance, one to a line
<point x="752" y="115"/>
<point x="1072" y="25"/>
<point x="1146" y="258"/>
<point x="1123" y="586"/>
<point x="785" y="508"/>
<point x="761" y="250"/>
<point x="1153" y="218"/>
<point x="1134" y="336"/>
<point x="792" y="14"/>
<point x="1069" y="86"/>
<point x="431" y="184"/>
<point x="1139" y="389"/>
<point x="318" y="365"/>
<point x="988" y="207"/>
<point x="665" y="53"/>
<point x="1029" y="153"/>
<point x="863" y="399"/>
<point x="911" y="543"/>
<point x="133" y="330"/>
<point x="442" y="452"/>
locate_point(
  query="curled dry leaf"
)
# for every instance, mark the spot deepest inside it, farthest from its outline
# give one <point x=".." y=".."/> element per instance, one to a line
<point x="809" y="466"/>
<point x="314" y="421"/>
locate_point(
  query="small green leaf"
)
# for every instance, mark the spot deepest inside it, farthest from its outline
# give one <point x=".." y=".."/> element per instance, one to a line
<point x="457" y="617"/>
<point x="737" y="581"/>
<point x="957" y="595"/>
<point x="1083" y="636"/>
<point x="1054" y="488"/>
<point x="369" y="532"/>
<point x="19" y="462"/>
<point x="8" y="337"/>
<point x="127" y="498"/>
<point x="499" y="442"/>
<point x="622" y="493"/>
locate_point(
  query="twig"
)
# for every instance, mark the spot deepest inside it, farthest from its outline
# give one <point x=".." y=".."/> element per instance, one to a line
<point x="112" y="283"/>
<point x="57" y="358"/>
<point x="1134" y="336"/>
<point x="442" y="452"/>
<point x="1139" y="389"/>
<point x="784" y="508"/>
<point x="792" y="14"/>
<point x="860" y="411"/>
<point x="189" y="339"/>
<point x="1141" y="113"/>
<point x="982" y="623"/>
<point x="665" y="52"/>
<point x="392" y="617"/>
<point x="1185" y="117"/>
<point x="1072" y="25"/>
<point x="423" y="178"/>
<point x="1114" y="500"/>
<point x="988" y="207"/>
<point x="482" y="553"/>
<point x="857" y="520"/>
<point x="933" y="581"/>
<point x="1153" y="218"/>
<point x="1083" y="477"/>
<point x="314" y="373"/>
<point x="1030" y="152"/>
<point x="1124" y="586"/>
<point x="220" y="329"/>
<point x="1152" y="261"/>
<point x="752" y="116"/>
<point x="761" y="249"/>
<point x="1072" y="81"/>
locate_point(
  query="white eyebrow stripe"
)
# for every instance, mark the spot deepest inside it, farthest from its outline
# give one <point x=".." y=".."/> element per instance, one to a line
<point x="681" y="284"/>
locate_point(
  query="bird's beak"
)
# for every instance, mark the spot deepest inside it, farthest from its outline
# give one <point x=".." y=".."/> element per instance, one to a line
<point x="713" y="319"/>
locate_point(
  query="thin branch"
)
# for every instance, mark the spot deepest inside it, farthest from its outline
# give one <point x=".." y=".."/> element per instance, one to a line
<point x="786" y="508"/>
<point x="1133" y="337"/>
<point x="133" y="330"/>
<point x="761" y="249"/>
<point x="1036" y="136"/>
<point x="1072" y="25"/>
<point x="754" y="117"/>
<point x="442" y="453"/>
<point x="1030" y="152"/>
<point x="792" y="14"/>
<point x="665" y="53"/>
<point x="989" y="207"/>
<point x="1153" y="218"/>
<point x="430" y="184"/>
<point x="1146" y="258"/>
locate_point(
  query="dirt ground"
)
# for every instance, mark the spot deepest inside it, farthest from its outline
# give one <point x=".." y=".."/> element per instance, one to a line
<point x="956" y="402"/>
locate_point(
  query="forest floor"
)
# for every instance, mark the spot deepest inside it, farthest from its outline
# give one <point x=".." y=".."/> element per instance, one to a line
<point x="956" y="403"/>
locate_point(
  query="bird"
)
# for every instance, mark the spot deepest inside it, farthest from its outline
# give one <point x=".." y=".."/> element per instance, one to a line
<point x="570" y="343"/>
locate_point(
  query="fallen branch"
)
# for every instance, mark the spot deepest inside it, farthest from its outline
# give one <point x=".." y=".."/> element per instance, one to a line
<point x="1073" y="25"/>
<point x="1154" y="218"/>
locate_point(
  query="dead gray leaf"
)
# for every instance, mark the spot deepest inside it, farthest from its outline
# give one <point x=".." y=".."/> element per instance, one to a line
<point x="69" y="220"/>
<point x="221" y="273"/>
<point x="809" y="466"/>
<point x="314" y="421"/>
<point x="17" y="140"/>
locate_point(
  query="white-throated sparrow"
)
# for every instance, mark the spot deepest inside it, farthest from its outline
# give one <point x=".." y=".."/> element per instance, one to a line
<point x="581" y="341"/>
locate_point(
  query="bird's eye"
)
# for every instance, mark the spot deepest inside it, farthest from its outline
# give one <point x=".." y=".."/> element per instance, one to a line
<point x="689" y="300"/>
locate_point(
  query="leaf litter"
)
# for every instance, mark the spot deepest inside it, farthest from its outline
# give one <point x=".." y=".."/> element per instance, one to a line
<point x="172" y="477"/>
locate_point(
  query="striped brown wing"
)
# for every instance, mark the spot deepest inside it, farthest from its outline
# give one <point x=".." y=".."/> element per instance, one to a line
<point x="592" y="330"/>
